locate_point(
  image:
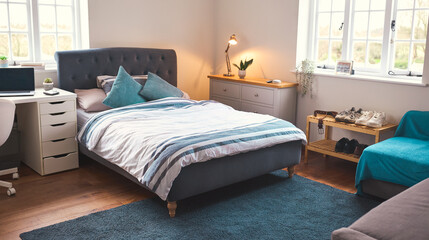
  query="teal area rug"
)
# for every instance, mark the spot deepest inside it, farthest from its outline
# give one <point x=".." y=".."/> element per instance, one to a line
<point x="268" y="207"/>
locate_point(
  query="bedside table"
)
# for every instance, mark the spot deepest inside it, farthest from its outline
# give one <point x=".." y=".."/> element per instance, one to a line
<point x="255" y="95"/>
<point x="48" y="129"/>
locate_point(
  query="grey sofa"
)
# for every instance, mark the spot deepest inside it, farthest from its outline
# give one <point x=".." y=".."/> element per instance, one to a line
<point x="405" y="216"/>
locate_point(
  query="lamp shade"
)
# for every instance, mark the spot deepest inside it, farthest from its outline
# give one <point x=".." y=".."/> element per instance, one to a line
<point x="232" y="40"/>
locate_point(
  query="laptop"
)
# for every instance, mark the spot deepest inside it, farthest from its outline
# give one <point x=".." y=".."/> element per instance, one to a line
<point x="16" y="82"/>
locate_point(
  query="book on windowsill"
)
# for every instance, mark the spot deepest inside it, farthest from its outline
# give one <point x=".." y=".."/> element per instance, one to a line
<point x="35" y="65"/>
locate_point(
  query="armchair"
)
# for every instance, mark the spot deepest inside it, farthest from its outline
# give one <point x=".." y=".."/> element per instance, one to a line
<point x="398" y="162"/>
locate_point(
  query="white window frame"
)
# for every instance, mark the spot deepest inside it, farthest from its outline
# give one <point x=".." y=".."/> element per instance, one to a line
<point x="329" y="38"/>
<point x="411" y="40"/>
<point x="29" y="31"/>
<point x="388" y="41"/>
<point x="34" y="33"/>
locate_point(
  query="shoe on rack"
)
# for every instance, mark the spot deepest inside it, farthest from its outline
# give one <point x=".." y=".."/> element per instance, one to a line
<point x="342" y="115"/>
<point x="378" y="120"/>
<point x="364" y="118"/>
<point x="351" y="118"/>
<point x="339" y="146"/>
<point x="359" y="149"/>
<point x="350" y="146"/>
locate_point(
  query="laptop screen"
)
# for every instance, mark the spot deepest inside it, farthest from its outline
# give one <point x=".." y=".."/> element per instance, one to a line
<point x="16" y="79"/>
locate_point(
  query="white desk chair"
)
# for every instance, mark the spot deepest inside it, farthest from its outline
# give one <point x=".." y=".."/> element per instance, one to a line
<point x="7" y="114"/>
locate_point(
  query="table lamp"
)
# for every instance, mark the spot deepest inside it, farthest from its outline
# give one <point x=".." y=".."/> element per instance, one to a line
<point x="232" y="41"/>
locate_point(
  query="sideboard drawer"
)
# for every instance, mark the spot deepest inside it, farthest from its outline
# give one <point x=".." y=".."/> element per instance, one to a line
<point x="57" y="147"/>
<point x="247" y="107"/>
<point x="58" y="131"/>
<point x="60" y="163"/>
<point x="234" y="104"/>
<point x="260" y="95"/>
<point x="57" y="106"/>
<point x="225" y="89"/>
<point x="55" y="118"/>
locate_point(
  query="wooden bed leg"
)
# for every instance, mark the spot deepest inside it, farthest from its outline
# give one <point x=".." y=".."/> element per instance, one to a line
<point x="172" y="208"/>
<point x="291" y="171"/>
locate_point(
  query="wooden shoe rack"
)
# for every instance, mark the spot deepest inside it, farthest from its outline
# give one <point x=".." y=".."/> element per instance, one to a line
<point x="327" y="146"/>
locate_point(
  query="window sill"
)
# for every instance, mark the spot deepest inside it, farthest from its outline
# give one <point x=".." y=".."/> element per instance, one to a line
<point x="412" y="81"/>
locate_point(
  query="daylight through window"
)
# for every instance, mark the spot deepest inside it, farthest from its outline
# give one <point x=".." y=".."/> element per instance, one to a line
<point x="378" y="35"/>
<point x="35" y="30"/>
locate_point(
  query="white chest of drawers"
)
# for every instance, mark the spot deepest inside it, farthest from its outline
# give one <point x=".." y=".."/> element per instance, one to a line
<point x="48" y="129"/>
<point x="255" y="95"/>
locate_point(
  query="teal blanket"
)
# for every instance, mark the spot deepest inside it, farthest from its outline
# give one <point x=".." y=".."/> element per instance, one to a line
<point x="403" y="159"/>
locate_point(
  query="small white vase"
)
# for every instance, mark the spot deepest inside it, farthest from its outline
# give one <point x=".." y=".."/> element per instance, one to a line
<point x="4" y="63"/>
<point x="48" y="86"/>
<point x="241" y="74"/>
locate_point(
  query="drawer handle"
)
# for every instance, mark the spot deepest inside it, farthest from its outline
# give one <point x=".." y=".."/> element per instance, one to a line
<point x="60" y="102"/>
<point x="256" y="95"/>
<point x="56" y="125"/>
<point x="56" y="114"/>
<point x="61" y="155"/>
<point x="59" y="140"/>
<point x="224" y="89"/>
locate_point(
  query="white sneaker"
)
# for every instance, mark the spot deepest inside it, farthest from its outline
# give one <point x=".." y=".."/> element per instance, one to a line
<point x="378" y="120"/>
<point x="365" y="117"/>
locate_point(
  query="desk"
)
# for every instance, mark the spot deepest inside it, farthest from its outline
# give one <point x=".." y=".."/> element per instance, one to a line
<point x="48" y="129"/>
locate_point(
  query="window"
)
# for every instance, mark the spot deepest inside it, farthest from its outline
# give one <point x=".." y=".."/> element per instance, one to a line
<point x="33" y="30"/>
<point x="378" y="35"/>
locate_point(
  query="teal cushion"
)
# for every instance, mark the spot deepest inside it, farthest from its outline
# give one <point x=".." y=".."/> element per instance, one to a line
<point x="125" y="91"/>
<point x="156" y="88"/>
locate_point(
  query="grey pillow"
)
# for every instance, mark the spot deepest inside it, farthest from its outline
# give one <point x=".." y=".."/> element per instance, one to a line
<point x="106" y="82"/>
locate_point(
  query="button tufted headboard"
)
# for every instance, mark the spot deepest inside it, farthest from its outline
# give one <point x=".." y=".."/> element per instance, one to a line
<point x="78" y="69"/>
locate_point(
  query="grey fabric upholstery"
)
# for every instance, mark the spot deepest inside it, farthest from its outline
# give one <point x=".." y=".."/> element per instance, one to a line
<point x="350" y="234"/>
<point x="203" y="177"/>
<point x="405" y="216"/>
<point x="381" y="189"/>
<point x="78" y="69"/>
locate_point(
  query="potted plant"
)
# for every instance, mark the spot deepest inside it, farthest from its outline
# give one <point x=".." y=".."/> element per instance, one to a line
<point x="48" y="84"/>
<point x="304" y="77"/>
<point x="242" y="68"/>
<point x="3" y="61"/>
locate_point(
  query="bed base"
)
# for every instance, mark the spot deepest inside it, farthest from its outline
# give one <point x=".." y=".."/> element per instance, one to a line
<point x="202" y="177"/>
<point x="172" y="206"/>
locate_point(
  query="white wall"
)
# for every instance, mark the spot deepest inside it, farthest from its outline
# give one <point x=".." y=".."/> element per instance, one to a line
<point x="186" y="26"/>
<point x="266" y="31"/>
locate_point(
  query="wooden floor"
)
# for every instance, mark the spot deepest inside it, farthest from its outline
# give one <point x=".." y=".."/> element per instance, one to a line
<point x="42" y="201"/>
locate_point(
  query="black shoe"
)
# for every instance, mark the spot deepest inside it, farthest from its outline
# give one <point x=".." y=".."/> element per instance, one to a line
<point x="359" y="149"/>
<point x="350" y="146"/>
<point x="339" y="147"/>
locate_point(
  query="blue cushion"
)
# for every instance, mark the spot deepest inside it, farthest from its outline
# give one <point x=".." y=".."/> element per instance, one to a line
<point x="125" y="91"/>
<point x="156" y="88"/>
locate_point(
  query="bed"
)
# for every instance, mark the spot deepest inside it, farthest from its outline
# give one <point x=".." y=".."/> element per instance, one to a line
<point x="79" y="69"/>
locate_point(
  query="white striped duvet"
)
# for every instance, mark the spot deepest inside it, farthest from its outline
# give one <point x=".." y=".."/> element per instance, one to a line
<point x="154" y="140"/>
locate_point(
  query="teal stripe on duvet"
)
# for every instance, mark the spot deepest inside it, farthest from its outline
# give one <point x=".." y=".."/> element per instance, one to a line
<point x="215" y="145"/>
<point x="170" y="149"/>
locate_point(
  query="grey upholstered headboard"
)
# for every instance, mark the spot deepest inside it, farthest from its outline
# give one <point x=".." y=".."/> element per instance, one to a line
<point x="79" y="69"/>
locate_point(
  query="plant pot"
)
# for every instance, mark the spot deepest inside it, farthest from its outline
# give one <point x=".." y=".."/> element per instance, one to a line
<point x="242" y="74"/>
<point x="4" y="63"/>
<point x="48" y="86"/>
